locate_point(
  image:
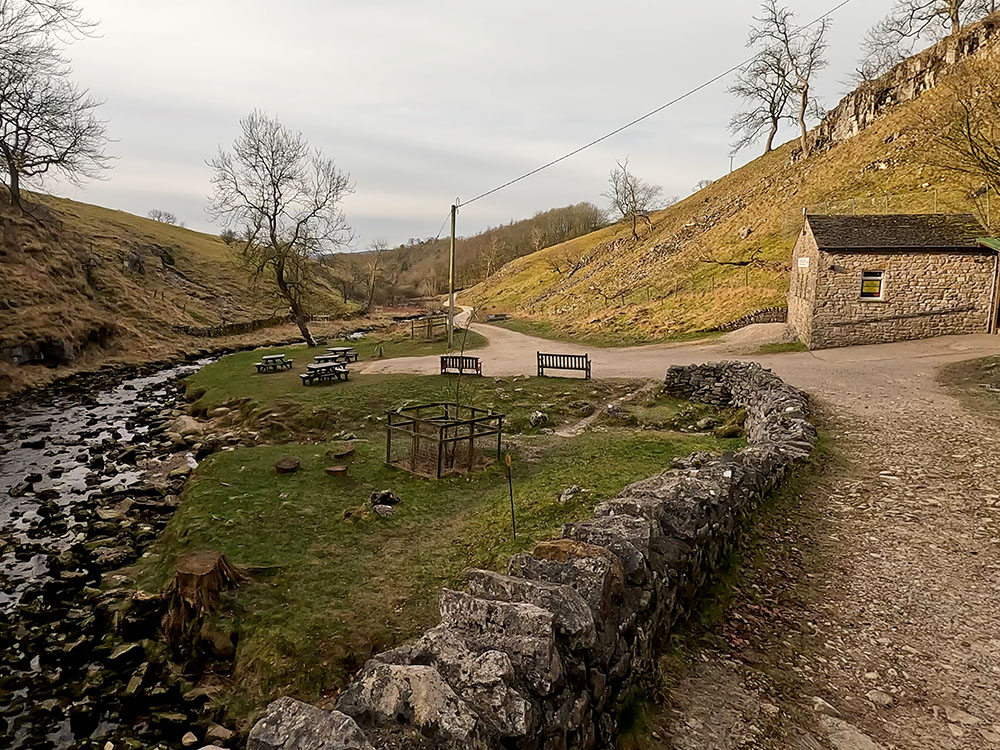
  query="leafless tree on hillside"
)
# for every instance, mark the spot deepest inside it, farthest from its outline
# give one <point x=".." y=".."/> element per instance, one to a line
<point x="701" y="185"/>
<point x="284" y="199"/>
<point x="802" y="51"/>
<point x="165" y="217"/>
<point x="911" y="22"/>
<point x="493" y="256"/>
<point x="631" y="197"/>
<point x="374" y="262"/>
<point x="964" y="136"/>
<point x="766" y="90"/>
<point x="48" y="125"/>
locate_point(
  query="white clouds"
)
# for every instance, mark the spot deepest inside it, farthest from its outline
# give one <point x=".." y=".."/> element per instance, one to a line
<point x="425" y="101"/>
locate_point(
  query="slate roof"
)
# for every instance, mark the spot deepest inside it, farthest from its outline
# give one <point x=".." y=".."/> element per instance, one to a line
<point x="897" y="232"/>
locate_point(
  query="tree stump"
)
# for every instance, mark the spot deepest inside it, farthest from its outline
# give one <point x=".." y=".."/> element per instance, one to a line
<point x="340" y="453"/>
<point x="336" y="471"/>
<point x="200" y="579"/>
<point x="286" y="465"/>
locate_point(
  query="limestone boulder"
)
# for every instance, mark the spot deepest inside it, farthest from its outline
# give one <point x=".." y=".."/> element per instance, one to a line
<point x="573" y="618"/>
<point x="410" y="695"/>
<point x="288" y="724"/>
<point x="524" y="632"/>
<point x="485" y="680"/>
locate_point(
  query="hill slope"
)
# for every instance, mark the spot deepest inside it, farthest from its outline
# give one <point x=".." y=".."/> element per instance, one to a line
<point x="82" y="283"/>
<point x="606" y="286"/>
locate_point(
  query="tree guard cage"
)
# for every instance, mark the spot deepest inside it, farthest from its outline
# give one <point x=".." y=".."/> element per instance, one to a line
<point x="438" y="439"/>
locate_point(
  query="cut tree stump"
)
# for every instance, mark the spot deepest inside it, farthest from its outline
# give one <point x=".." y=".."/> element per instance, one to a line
<point x="339" y="454"/>
<point x="336" y="471"/>
<point x="200" y="579"/>
<point x="286" y="465"/>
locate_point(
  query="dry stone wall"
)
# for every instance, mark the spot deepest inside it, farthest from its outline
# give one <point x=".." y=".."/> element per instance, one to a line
<point x="546" y="655"/>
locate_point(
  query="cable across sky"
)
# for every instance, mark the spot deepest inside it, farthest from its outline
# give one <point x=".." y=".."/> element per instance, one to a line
<point x="646" y="116"/>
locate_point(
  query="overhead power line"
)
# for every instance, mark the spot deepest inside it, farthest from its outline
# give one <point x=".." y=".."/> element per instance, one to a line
<point x="646" y="116"/>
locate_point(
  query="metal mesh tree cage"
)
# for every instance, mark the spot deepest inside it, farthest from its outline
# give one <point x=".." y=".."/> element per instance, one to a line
<point x="438" y="439"/>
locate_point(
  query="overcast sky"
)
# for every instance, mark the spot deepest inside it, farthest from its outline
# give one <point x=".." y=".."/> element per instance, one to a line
<point x="423" y="102"/>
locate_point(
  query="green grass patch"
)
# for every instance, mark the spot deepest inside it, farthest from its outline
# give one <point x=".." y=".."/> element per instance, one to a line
<point x="347" y="583"/>
<point x="781" y="347"/>
<point x="545" y="329"/>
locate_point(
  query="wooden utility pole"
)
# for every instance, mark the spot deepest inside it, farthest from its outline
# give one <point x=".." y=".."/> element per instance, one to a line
<point x="451" y="283"/>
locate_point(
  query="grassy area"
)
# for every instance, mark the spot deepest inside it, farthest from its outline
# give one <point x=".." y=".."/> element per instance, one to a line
<point x="346" y="582"/>
<point x="781" y="347"/>
<point x="545" y="329"/>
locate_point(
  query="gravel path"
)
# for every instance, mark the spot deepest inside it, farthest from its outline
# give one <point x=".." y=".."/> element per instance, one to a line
<point x="875" y="622"/>
<point x="895" y="621"/>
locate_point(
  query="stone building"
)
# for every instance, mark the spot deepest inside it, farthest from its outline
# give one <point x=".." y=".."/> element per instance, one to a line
<point x="875" y="279"/>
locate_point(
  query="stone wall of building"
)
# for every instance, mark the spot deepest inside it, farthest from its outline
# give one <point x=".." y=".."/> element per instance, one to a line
<point x="862" y="107"/>
<point x="546" y="655"/>
<point x="924" y="294"/>
<point x="802" y="286"/>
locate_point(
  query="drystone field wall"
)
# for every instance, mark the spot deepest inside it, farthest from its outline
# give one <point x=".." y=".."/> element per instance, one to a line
<point x="905" y="82"/>
<point x="546" y="655"/>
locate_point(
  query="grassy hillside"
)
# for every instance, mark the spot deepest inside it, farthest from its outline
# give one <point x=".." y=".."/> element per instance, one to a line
<point x="420" y="267"/>
<point x="84" y="283"/>
<point x="607" y="285"/>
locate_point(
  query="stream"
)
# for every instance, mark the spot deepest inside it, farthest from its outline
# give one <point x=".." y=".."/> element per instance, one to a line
<point x="80" y="497"/>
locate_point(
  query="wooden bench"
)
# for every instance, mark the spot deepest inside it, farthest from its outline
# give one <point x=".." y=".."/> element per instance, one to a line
<point x="323" y="373"/>
<point x="273" y="363"/>
<point x="577" y="362"/>
<point x="459" y="364"/>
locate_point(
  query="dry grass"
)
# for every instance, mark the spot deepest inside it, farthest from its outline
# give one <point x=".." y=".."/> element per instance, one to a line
<point x="115" y="285"/>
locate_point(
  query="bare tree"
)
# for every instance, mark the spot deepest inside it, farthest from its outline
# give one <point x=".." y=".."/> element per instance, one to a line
<point x="165" y="217"/>
<point x="493" y="256"/>
<point x="964" y="136"/>
<point x="374" y="257"/>
<point x="284" y="199"/>
<point x="800" y="51"/>
<point x="48" y="125"/>
<point x="631" y="197"/>
<point x="911" y="22"/>
<point x="765" y="88"/>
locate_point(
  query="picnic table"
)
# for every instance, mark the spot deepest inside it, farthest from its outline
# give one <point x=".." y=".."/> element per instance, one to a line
<point x="329" y="358"/>
<point x="273" y="363"/>
<point x="345" y="353"/>
<point x="323" y="372"/>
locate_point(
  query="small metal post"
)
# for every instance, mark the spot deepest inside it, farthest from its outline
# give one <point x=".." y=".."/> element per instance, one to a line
<point x="510" y="485"/>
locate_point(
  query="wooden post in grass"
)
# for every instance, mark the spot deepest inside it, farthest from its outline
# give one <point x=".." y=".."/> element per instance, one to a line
<point x="510" y="485"/>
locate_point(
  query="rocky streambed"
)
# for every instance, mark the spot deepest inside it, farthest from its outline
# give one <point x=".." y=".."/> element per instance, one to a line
<point x="89" y="476"/>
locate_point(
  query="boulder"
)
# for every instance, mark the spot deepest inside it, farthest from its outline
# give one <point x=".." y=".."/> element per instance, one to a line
<point x="185" y="425"/>
<point x="288" y="724"/>
<point x="524" y="632"/>
<point x="571" y="614"/>
<point x="483" y="680"/>
<point x="413" y="695"/>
